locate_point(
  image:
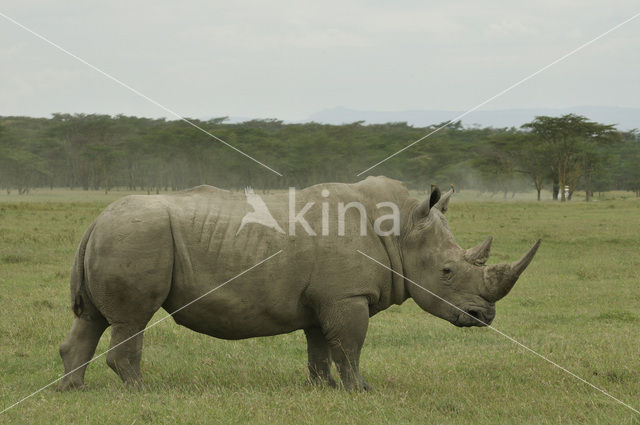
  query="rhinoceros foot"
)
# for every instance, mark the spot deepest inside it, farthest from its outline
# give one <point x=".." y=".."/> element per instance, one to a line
<point x="321" y="382"/>
<point x="70" y="385"/>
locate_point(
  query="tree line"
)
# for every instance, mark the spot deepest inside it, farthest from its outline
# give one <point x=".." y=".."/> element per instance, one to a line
<point x="103" y="152"/>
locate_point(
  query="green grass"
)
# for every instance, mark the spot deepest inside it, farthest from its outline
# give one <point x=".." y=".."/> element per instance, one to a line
<point x="578" y="304"/>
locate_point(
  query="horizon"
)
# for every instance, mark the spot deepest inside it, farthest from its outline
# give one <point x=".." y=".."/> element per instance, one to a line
<point x="340" y="115"/>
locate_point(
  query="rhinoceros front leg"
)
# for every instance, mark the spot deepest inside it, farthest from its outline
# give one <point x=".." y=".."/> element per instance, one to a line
<point x="344" y="325"/>
<point x="319" y="355"/>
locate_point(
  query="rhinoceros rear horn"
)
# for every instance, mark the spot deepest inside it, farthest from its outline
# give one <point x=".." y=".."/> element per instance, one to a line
<point x="479" y="254"/>
<point x="500" y="278"/>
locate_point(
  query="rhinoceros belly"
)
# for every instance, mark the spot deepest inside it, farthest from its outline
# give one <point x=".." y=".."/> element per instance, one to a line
<point x="209" y="255"/>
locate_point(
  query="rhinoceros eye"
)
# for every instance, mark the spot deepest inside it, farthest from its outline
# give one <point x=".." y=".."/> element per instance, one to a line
<point x="446" y="272"/>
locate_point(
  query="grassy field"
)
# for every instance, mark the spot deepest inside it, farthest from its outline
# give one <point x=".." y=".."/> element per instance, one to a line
<point x="577" y="304"/>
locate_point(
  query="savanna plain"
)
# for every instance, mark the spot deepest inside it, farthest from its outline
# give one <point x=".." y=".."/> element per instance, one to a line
<point x="577" y="304"/>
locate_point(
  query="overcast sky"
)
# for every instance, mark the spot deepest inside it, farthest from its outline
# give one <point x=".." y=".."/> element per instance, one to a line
<point x="288" y="60"/>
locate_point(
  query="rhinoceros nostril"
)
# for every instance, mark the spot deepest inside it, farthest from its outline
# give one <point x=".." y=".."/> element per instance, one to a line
<point x="475" y="314"/>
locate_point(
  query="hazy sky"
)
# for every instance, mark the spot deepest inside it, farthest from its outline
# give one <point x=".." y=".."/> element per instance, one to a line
<point x="289" y="59"/>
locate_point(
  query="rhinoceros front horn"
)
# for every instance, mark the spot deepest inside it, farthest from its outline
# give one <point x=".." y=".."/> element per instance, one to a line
<point x="500" y="278"/>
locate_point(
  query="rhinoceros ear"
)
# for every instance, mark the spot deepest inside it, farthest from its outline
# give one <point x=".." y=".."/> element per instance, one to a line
<point x="435" y="195"/>
<point x="423" y="209"/>
<point x="443" y="203"/>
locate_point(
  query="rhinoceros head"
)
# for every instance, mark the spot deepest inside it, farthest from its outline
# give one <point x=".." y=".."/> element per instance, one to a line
<point x="455" y="284"/>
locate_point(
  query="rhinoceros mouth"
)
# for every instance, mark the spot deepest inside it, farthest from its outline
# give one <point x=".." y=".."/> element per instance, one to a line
<point x="474" y="316"/>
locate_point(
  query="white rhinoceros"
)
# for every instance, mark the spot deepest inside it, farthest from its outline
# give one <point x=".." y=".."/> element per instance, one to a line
<point x="144" y="253"/>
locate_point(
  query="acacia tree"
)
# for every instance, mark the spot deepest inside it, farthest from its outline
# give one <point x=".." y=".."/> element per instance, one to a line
<point x="564" y="139"/>
<point x="626" y="173"/>
<point x="100" y="151"/>
<point x="497" y="160"/>
<point x="77" y="132"/>
<point x="533" y="159"/>
<point x="21" y="165"/>
<point x="101" y="160"/>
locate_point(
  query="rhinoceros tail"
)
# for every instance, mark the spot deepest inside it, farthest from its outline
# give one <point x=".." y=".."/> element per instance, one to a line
<point x="78" y="305"/>
<point x="78" y="292"/>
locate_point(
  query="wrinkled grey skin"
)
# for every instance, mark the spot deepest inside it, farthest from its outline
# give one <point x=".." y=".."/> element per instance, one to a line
<point x="144" y="253"/>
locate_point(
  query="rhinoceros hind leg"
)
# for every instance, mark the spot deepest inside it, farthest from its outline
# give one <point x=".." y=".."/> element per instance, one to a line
<point x="319" y="358"/>
<point x="78" y="348"/>
<point x="125" y="352"/>
<point x="344" y="325"/>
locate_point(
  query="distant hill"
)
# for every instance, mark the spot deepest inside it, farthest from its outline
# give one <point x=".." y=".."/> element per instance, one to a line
<point x="624" y="118"/>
